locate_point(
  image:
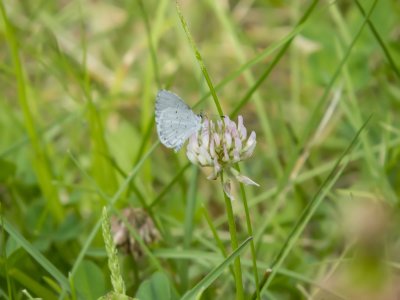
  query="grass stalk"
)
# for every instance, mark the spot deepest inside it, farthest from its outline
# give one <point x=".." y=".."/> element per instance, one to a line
<point x="217" y="239"/>
<point x="250" y="233"/>
<point x="199" y="60"/>
<point x="191" y="200"/>
<point x="237" y="269"/>
<point x="150" y="43"/>
<point x="111" y="203"/>
<point x="309" y="211"/>
<point x="272" y="65"/>
<point x="228" y="204"/>
<point x="312" y="122"/>
<point x="40" y="158"/>
<point x="112" y="253"/>
<point x="4" y="253"/>
<point x="379" y="40"/>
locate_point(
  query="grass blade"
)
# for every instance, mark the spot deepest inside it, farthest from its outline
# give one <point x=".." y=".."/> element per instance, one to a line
<point x="309" y="211"/>
<point x="40" y="158"/>
<point x="215" y="273"/>
<point x="199" y="60"/>
<point x="191" y="200"/>
<point x="150" y="43"/>
<point x="277" y="58"/>
<point x="36" y="255"/>
<point x="311" y="124"/>
<point x="112" y="202"/>
<point x="379" y="40"/>
<point x="237" y="268"/>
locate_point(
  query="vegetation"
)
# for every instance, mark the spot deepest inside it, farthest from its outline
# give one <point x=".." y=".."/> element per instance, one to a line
<point x="82" y="172"/>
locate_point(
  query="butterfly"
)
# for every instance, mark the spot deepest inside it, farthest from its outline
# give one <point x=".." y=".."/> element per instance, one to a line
<point x="175" y="120"/>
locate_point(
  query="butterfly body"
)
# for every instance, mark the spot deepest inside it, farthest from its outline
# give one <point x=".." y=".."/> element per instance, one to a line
<point x="175" y="121"/>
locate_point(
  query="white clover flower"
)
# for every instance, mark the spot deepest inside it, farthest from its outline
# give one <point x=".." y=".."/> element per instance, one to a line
<point x="220" y="146"/>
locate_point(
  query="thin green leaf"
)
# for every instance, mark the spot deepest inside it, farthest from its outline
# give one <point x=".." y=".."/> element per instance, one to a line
<point x="309" y="212"/>
<point x="112" y="202"/>
<point x="379" y="40"/>
<point x="40" y="158"/>
<point x="215" y="273"/>
<point x="199" y="60"/>
<point x="36" y="255"/>
<point x="150" y="43"/>
<point x="191" y="201"/>
<point x="271" y="66"/>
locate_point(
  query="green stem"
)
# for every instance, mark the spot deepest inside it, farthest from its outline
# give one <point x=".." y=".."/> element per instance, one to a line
<point x="40" y="158"/>
<point x="250" y="233"/>
<point x="234" y="244"/>
<point x="199" y="60"/>
<point x="216" y="237"/>
<point x="3" y="250"/>
<point x="379" y="40"/>
<point x="150" y="43"/>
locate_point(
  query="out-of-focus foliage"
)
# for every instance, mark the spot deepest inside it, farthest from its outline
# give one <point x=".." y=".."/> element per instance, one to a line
<point x="77" y="134"/>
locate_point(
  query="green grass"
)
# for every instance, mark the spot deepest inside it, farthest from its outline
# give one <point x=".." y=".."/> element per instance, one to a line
<point x="318" y="81"/>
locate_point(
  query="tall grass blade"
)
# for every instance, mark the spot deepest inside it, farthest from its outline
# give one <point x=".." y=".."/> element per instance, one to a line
<point x="150" y="42"/>
<point x="190" y="209"/>
<point x="308" y="212"/>
<point x="237" y="267"/>
<point x="379" y="40"/>
<point x="271" y="66"/>
<point x="40" y="159"/>
<point x="199" y="60"/>
<point x="215" y="273"/>
<point x="112" y="202"/>
<point x="311" y="124"/>
<point x="36" y="255"/>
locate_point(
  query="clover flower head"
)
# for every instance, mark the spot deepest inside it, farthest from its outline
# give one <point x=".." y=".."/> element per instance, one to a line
<point x="142" y="223"/>
<point x="220" y="145"/>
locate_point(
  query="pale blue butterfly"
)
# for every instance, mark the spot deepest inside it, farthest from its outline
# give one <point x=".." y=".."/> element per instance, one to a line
<point x="175" y="121"/>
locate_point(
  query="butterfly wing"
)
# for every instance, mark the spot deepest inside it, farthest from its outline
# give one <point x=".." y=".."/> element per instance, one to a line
<point x="175" y="121"/>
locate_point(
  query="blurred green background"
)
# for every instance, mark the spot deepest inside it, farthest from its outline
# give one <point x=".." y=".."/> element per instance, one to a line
<point x="78" y="81"/>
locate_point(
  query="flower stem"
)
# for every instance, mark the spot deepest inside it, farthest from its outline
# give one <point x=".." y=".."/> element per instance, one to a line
<point x="237" y="269"/>
<point x="250" y="232"/>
